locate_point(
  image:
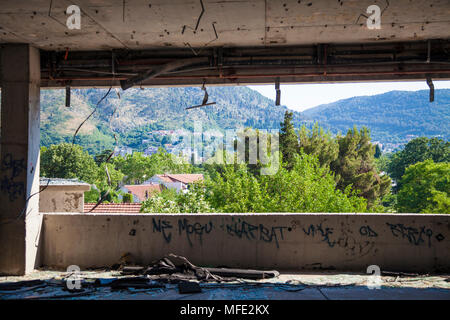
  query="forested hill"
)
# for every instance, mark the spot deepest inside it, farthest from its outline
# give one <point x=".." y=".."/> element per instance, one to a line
<point x="138" y="112"/>
<point x="391" y="117"/>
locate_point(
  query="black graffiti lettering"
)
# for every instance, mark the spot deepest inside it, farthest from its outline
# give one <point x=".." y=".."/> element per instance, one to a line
<point x="413" y="235"/>
<point x="196" y="228"/>
<point x="240" y="229"/>
<point x="15" y="166"/>
<point x="270" y="235"/>
<point x="243" y="229"/>
<point x="161" y="227"/>
<point x="11" y="169"/>
<point x="325" y="234"/>
<point x="367" y="231"/>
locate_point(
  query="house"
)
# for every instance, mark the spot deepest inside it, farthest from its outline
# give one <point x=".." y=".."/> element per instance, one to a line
<point x="122" y="151"/>
<point x="112" y="208"/>
<point x="179" y="182"/>
<point x="142" y="192"/>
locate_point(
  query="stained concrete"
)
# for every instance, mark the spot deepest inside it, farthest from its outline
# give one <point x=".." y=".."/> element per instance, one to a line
<point x="394" y="242"/>
<point x="137" y="24"/>
<point x="20" y="220"/>
<point x="62" y="195"/>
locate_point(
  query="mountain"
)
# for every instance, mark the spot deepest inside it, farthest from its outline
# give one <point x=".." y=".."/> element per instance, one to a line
<point x="393" y="117"/>
<point x="134" y="115"/>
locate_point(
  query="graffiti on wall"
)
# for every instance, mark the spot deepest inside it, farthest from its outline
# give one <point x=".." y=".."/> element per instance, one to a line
<point x="415" y="236"/>
<point x="12" y="168"/>
<point x="184" y="227"/>
<point x="244" y="230"/>
<point x="357" y="240"/>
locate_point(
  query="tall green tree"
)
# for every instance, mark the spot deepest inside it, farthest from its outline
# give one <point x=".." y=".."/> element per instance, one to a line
<point x="425" y="188"/>
<point x="378" y="152"/>
<point x="355" y="167"/>
<point x="289" y="145"/>
<point x="318" y="143"/>
<point x="418" y="150"/>
<point x="138" y="168"/>
<point x="308" y="187"/>
<point x="68" y="161"/>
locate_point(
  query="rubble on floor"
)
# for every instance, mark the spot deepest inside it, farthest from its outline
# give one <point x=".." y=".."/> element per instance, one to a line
<point x="175" y="277"/>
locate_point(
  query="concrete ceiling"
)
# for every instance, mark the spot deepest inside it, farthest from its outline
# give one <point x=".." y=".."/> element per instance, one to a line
<point x="137" y="24"/>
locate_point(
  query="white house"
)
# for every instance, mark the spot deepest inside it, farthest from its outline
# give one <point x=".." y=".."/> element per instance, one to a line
<point x="179" y="182"/>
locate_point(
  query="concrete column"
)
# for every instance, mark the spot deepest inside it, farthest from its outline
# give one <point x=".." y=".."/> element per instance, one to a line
<point x="20" y="221"/>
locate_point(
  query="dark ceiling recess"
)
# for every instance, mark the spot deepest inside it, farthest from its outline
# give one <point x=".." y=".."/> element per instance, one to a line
<point x="253" y="65"/>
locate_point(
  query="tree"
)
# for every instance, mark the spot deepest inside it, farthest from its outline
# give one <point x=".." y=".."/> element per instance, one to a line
<point x="127" y="198"/>
<point x="235" y="190"/>
<point x="425" y="188"/>
<point x="318" y="143"/>
<point x="138" y="168"/>
<point x="68" y="161"/>
<point x="308" y="187"/>
<point x="355" y="167"/>
<point x="418" y="150"/>
<point x="378" y="152"/>
<point x="135" y="167"/>
<point x="108" y="177"/>
<point x="289" y="145"/>
<point x="103" y="156"/>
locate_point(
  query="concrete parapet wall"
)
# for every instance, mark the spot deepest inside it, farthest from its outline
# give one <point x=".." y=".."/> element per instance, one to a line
<point x="62" y="198"/>
<point x="293" y="241"/>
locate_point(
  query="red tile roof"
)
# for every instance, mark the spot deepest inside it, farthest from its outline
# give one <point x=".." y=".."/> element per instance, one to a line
<point x="112" y="208"/>
<point x="141" y="190"/>
<point x="184" y="178"/>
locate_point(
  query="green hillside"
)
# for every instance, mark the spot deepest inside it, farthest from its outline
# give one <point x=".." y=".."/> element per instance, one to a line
<point x="138" y="112"/>
<point x="393" y="117"/>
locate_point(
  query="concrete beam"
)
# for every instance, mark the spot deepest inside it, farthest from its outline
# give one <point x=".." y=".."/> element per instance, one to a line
<point x="20" y="221"/>
<point x="249" y="65"/>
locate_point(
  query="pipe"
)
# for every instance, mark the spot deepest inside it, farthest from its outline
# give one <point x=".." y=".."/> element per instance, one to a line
<point x="336" y="74"/>
<point x="126" y="84"/>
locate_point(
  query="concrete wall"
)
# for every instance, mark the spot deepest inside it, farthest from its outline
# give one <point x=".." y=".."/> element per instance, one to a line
<point x="20" y="220"/>
<point x="268" y="241"/>
<point x="63" y="198"/>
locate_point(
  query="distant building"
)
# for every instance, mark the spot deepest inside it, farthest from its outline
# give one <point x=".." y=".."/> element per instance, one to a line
<point x="119" y="208"/>
<point x="122" y="151"/>
<point x="150" y="150"/>
<point x="179" y="182"/>
<point x="142" y="192"/>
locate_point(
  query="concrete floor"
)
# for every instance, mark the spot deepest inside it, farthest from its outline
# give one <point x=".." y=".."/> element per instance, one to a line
<point x="288" y="286"/>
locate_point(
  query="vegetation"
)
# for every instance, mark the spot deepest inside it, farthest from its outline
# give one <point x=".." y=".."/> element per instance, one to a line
<point x="355" y="167"/>
<point x="321" y="170"/>
<point x="425" y="188"/>
<point x="68" y="161"/>
<point x="418" y="150"/>
<point x="127" y="198"/>
<point x="134" y="120"/>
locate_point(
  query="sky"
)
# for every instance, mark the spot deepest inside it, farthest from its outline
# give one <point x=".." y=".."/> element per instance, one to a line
<point x="300" y="97"/>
